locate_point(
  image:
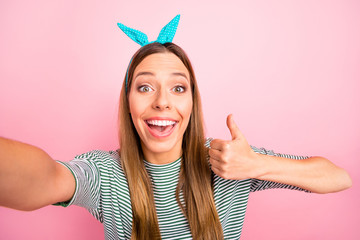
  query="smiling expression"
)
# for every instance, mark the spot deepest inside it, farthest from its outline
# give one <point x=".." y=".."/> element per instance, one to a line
<point x="160" y="103"/>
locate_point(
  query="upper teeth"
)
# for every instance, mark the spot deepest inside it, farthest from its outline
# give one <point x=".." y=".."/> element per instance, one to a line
<point x="160" y="122"/>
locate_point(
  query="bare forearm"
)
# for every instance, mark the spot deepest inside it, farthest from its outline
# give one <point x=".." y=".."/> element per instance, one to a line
<point x="26" y="173"/>
<point x="316" y="174"/>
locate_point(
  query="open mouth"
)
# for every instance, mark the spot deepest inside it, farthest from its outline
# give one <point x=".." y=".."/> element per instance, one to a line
<point x="160" y="128"/>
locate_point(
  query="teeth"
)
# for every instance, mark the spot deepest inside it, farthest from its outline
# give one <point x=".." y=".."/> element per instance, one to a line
<point x="160" y="122"/>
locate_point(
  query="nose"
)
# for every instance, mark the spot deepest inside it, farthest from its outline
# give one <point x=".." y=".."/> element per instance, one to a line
<point x="162" y="100"/>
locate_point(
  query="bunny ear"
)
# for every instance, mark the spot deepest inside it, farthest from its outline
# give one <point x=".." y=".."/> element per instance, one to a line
<point x="137" y="36"/>
<point x="167" y="33"/>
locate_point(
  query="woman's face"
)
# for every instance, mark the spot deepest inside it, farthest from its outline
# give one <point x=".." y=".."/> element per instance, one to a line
<point x="160" y="102"/>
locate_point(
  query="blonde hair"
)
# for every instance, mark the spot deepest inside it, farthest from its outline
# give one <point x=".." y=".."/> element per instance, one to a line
<point x="195" y="179"/>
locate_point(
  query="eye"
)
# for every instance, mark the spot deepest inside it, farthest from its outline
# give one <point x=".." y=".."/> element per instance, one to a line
<point x="179" y="89"/>
<point x="145" y="88"/>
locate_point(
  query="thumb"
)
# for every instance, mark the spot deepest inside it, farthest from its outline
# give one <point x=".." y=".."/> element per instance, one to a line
<point x="234" y="130"/>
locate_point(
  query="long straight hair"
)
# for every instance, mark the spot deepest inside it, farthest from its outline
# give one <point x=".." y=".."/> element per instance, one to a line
<point x="195" y="179"/>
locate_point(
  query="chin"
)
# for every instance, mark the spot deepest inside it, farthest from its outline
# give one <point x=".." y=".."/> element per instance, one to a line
<point x="170" y="147"/>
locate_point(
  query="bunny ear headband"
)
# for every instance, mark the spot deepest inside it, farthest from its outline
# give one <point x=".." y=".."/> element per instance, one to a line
<point x="166" y="34"/>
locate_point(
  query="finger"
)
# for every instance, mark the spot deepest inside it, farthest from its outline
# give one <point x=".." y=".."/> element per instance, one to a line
<point x="215" y="154"/>
<point x="219" y="171"/>
<point x="216" y="170"/>
<point x="219" y="144"/>
<point x="234" y="130"/>
<point x="215" y="165"/>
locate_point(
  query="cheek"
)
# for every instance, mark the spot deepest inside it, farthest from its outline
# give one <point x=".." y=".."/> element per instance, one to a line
<point x="135" y="105"/>
<point x="135" y="109"/>
<point x="185" y="108"/>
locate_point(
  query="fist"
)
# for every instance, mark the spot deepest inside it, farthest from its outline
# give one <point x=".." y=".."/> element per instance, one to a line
<point x="233" y="159"/>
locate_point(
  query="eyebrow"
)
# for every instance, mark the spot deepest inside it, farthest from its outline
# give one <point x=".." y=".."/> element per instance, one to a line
<point x="144" y="73"/>
<point x="179" y="74"/>
<point x="151" y="74"/>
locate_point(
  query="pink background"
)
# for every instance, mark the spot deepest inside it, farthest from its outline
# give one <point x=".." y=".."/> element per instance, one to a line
<point x="289" y="71"/>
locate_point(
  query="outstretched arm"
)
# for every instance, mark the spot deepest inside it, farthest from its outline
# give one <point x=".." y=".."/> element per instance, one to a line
<point x="235" y="159"/>
<point x="30" y="178"/>
<point x="316" y="174"/>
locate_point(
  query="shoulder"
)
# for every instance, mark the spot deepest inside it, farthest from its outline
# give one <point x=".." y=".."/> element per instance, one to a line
<point x="263" y="151"/>
<point x="98" y="156"/>
<point x="98" y="160"/>
<point x="208" y="141"/>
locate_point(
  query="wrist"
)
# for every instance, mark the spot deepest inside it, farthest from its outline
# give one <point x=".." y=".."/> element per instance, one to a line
<point x="263" y="166"/>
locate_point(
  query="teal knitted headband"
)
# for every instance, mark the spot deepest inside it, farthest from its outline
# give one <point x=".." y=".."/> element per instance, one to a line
<point x="166" y="34"/>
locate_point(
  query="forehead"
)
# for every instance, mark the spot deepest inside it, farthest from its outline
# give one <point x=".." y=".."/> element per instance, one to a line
<point x="161" y="62"/>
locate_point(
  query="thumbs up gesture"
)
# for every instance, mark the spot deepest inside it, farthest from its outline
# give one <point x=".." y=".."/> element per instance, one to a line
<point x="233" y="159"/>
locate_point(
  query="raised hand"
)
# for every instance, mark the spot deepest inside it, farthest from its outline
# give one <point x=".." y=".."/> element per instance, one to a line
<point x="234" y="159"/>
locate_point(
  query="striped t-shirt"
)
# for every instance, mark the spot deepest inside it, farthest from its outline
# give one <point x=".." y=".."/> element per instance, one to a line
<point x="101" y="188"/>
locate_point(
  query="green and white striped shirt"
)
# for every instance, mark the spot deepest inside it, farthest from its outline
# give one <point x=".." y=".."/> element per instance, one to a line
<point x="101" y="188"/>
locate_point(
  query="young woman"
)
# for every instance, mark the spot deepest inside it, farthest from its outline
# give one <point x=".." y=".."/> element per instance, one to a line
<point x="166" y="180"/>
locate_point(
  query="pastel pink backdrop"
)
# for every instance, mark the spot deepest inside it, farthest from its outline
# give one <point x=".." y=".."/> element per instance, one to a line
<point x="287" y="70"/>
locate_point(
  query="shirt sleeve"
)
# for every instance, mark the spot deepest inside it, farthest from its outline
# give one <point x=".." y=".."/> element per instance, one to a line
<point x="258" y="185"/>
<point x="87" y="179"/>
